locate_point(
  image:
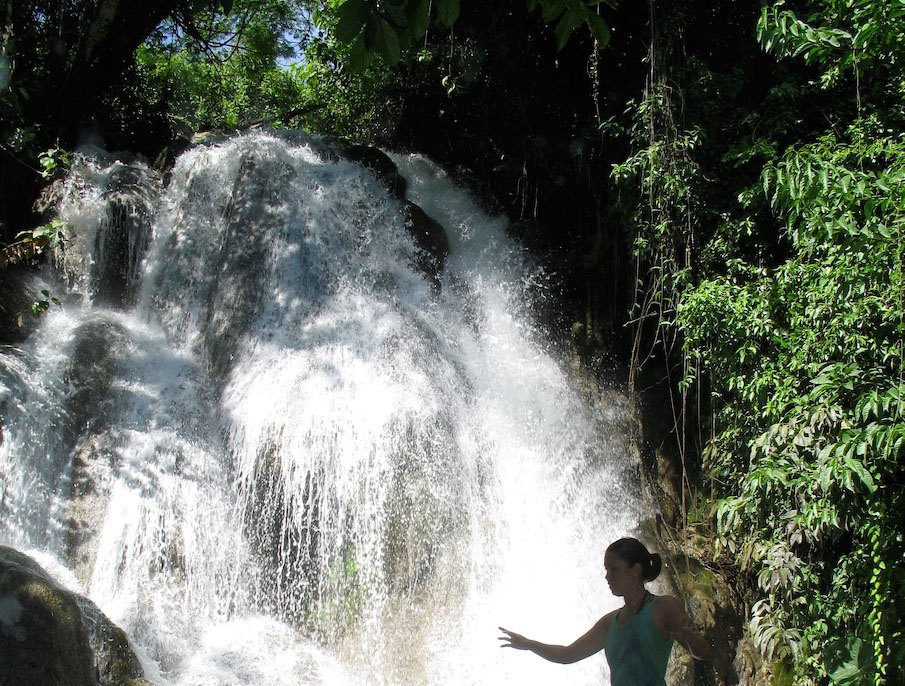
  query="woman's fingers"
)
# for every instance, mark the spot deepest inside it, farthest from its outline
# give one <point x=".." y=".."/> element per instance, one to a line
<point x="510" y="639"/>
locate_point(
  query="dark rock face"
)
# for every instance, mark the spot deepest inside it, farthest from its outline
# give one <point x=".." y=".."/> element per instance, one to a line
<point x="375" y="160"/>
<point x="124" y="233"/>
<point x="52" y="637"/>
<point x="237" y="288"/>
<point x="429" y="235"/>
<point x="431" y="239"/>
<point x="116" y="662"/>
<point x="15" y="303"/>
<point x="44" y="642"/>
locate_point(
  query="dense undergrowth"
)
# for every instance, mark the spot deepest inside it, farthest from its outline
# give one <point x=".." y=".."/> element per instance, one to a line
<point x="794" y="355"/>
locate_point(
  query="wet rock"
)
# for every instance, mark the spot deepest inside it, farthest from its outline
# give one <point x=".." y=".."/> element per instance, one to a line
<point x="93" y="463"/>
<point x="122" y="238"/>
<point x="431" y="239"/>
<point x="52" y="637"/>
<point x="100" y="348"/>
<point x="429" y="235"/>
<point x="374" y="159"/>
<point x="16" y="320"/>
<point x="44" y="642"/>
<point x="716" y="609"/>
<point x="261" y="188"/>
<point x="116" y="662"/>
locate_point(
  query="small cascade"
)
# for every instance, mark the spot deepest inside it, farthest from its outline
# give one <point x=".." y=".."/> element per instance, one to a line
<point x="277" y="445"/>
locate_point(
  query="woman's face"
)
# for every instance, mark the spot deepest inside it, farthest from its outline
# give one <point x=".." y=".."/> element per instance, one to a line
<point x="620" y="575"/>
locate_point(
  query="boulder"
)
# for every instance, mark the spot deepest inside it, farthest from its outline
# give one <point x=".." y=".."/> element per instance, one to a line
<point x="374" y="159"/>
<point x="431" y="239"/>
<point x="115" y="661"/>
<point x="429" y="235"/>
<point x="43" y="641"/>
<point x="50" y="636"/>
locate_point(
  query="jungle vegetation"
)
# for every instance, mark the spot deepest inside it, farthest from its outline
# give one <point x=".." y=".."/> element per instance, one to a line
<point x="719" y="184"/>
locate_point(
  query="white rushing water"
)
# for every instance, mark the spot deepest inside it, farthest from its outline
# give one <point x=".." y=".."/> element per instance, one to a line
<point x="284" y="455"/>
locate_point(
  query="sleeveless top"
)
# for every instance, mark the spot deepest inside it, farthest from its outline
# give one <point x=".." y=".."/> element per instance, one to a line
<point x="637" y="653"/>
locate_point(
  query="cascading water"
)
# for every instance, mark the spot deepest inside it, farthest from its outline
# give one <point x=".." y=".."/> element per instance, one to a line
<point x="285" y="454"/>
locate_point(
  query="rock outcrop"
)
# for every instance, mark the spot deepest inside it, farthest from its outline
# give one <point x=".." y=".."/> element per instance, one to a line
<point x="430" y="236"/>
<point x="50" y="636"/>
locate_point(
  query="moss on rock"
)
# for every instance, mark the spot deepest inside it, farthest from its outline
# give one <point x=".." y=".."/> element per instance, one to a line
<point x="52" y="637"/>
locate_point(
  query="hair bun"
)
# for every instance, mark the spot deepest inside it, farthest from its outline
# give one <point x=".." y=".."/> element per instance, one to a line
<point x="653" y="567"/>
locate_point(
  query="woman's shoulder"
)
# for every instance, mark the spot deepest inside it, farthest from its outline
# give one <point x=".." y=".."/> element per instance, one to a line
<point x="603" y="624"/>
<point x="608" y="617"/>
<point x="665" y="604"/>
<point x="668" y="599"/>
<point x="666" y="609"/>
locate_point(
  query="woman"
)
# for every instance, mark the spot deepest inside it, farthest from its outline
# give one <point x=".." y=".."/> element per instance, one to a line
<point x="638" y="637"/>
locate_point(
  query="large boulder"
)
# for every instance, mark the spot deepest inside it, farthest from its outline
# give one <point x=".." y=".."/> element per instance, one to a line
<point x="431" y="239"/>
<point x="430" y="236"/>
<point x="50" y="636"/>
<point x="371" y="158"/>
<point x="115" y="661"/>
<point x="43" y="641"/>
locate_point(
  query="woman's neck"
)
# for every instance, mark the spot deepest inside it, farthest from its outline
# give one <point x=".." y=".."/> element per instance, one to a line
<point x="634" y="599"/>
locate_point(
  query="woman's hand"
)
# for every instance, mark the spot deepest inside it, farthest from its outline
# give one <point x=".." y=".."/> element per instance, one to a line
<point x="513" y="640"/>
<point x="684" y="631"/>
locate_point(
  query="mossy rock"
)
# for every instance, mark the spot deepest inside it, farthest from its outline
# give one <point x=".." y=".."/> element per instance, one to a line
<point x="43" y="641"/>
<point x="52" y="637"/>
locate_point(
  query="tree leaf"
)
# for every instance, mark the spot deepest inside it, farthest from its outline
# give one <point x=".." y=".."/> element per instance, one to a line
<point x="395" y="14"/>
<point x="847" y="661"/>
<point x="389" y="43"/>
<point x="599" y="29"/>
<point x="359" y="56"/>
<point x="565" y="27"/>
<point x="352" y="17"/>
<point x="418" y="14"/>
<point x="447" y="11"/>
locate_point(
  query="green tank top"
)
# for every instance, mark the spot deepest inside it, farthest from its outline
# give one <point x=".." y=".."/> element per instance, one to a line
<point x="637" y="653"/>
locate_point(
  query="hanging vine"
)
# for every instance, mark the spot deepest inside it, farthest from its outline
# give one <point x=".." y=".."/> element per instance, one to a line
<point x="663" y="176"/>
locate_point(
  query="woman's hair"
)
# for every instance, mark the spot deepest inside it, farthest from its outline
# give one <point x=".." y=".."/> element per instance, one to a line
<point x="632" y="551"/>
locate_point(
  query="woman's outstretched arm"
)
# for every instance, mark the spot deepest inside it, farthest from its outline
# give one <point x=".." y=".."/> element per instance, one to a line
<point x="585" y="646"/>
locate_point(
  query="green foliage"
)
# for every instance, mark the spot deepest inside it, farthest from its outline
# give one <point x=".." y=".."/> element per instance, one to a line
<point x="39" y="307"/>
<point x="806" y="361"/>
<point x="341" y="600"/>
<point x="851" y="36"/>
<point x="32" y="242"/>
<point x="802" y="347"/>
<point x="569" y="15"/>
<point x="664" y="177"/>
<point x="847" y="661"/>
<point x="54" y="161"/>
<point x="28" y="245"/>
<point x="223" y="68"/>
<point x="388" y="28"/>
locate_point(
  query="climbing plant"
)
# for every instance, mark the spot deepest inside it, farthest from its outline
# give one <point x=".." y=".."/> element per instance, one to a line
<point x="806" y="364"/>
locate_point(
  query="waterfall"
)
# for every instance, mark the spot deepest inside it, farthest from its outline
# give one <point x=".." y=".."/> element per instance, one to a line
<point x="274" y="450"/>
